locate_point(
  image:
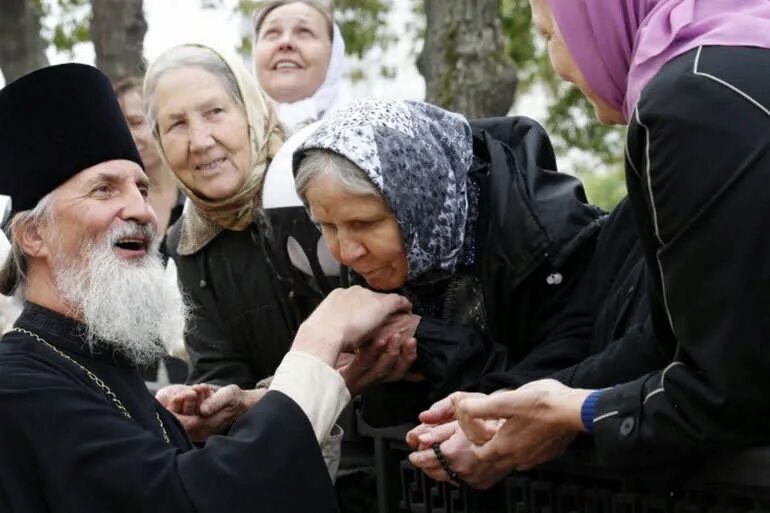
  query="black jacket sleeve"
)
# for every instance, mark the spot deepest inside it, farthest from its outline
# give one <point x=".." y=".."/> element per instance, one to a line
<point x="455" y="357"/>
<point x="604" y="335"/>
<point x="462" y="357"/>
<point x="633" y="355"/>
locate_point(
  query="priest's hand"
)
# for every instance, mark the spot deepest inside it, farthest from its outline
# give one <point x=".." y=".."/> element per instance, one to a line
<point x="345" y="320"/>
<point x="184" y="399"/>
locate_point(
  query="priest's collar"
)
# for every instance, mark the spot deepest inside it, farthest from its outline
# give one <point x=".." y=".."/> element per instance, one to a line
<point x="67" y="334"/>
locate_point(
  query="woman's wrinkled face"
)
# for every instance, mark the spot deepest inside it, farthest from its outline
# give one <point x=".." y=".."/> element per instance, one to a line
<point x="292" y="52"/>
<point x="564" y="64"/>
<point x="203" y="132"/>
<point x="361" y="232"/>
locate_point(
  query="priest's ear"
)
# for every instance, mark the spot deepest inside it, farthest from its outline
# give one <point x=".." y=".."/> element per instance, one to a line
<point x="29" y="228"/>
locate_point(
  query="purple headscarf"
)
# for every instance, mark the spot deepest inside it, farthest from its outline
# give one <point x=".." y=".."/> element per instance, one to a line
<point x="619" y="45"/>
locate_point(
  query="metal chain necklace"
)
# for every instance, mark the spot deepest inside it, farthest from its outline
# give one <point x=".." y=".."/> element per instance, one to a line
<point x="100" y="384"/>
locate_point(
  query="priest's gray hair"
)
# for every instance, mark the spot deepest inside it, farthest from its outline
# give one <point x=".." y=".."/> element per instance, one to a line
<point x="13" y="272"/>
<point x="318" y="162"/>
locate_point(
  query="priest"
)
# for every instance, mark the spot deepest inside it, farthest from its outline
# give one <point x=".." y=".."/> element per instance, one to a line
<point x="79" y="430"/>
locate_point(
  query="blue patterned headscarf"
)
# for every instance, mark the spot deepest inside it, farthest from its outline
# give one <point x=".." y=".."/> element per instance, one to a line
<point x="418" y="156"/>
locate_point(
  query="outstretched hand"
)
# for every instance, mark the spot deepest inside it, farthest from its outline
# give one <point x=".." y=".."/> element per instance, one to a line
<point x="458" y="454"/>
<point x="205" y="410"/>
<point x="540" y="419"/>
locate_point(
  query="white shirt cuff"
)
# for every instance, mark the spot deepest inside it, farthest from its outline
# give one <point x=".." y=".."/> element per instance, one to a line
<point x="318" y="389"/>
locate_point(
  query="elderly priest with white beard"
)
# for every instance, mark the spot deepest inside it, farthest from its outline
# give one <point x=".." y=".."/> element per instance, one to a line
<point x="79" y="432"/>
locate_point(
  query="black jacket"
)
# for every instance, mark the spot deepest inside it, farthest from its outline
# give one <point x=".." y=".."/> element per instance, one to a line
<point x="698" y="168"/>
<point x="240" y="327"/>
<point x="535" y="235"/>
<point x="604" y="335"/>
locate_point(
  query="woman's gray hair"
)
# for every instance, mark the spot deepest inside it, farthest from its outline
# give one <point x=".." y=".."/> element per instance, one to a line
<point x="320" y="162"/>
<point x="13" y="272"/>
<point x="185" y="56"/>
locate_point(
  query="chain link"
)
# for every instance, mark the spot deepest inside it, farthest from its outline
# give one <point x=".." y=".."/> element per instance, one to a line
<point x="100" y="384"/>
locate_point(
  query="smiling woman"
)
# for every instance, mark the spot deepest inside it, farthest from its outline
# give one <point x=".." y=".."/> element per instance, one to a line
<point x="298" y="58"/>
<point x="216" y="131"/>
<point x="293" y="50"/>
<point x="203" y="132"/>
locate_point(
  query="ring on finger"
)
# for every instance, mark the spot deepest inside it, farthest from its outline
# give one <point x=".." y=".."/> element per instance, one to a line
<point x="444" y="463"/>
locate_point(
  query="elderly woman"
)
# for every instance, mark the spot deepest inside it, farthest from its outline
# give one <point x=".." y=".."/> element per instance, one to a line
<point x="679" y="73"/>
<point x="298" y="59"/>
<point x="483" y="236"/>
<point x="216" y="133"/>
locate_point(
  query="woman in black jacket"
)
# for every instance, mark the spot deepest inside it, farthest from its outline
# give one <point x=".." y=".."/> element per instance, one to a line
<point x="484" y="236"/>
<point x="217" y="133"/>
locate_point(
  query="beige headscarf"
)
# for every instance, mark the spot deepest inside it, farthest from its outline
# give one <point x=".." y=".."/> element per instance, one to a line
<point x="204" y="219"/>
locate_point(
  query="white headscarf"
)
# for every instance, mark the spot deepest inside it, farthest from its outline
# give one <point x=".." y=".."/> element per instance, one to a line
<point x="326" y="99"/>
<point x="279" y="192"/>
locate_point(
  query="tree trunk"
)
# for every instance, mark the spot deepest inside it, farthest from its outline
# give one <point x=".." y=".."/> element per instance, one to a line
<point x="463" y="60"/>
<point x="117" y="31"/>
<point x="22" y="49"/>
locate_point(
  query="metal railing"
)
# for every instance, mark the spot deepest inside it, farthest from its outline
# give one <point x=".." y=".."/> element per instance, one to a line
<point x="577" y="483"/>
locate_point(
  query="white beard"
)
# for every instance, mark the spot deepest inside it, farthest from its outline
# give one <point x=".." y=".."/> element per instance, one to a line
<point x="132" y="306"/>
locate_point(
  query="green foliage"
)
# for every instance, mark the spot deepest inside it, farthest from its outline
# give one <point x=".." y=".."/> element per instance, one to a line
<point x="516" y="21"/>
<point x="604" y="187"/>
<point x="72" y="18"/>
<point x="363" y="24"/>
<point x="571" y="117"/>
<point x="573" y="126"/>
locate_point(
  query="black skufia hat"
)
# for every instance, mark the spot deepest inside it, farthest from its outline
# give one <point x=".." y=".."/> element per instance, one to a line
<point x="54" y="123"/>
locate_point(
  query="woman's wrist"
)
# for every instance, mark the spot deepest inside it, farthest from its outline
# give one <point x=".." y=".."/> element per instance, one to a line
<point x="567" y="407"/>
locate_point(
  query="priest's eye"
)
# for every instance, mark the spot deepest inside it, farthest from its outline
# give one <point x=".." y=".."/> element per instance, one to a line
<point x="102" y="189"/>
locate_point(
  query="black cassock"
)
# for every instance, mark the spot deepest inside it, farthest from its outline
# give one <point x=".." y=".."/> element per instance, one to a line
<point x="65" y="447"/>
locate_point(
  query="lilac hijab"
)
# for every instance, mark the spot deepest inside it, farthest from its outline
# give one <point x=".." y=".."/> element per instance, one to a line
<point x="620" y="45"/>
